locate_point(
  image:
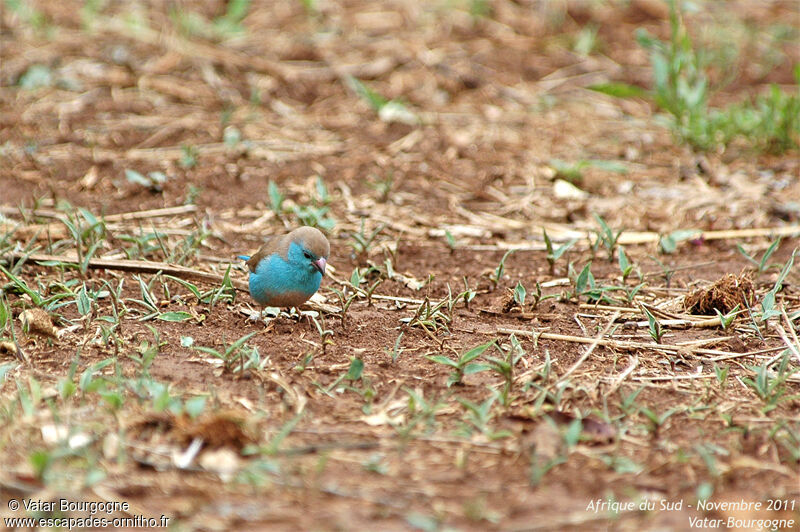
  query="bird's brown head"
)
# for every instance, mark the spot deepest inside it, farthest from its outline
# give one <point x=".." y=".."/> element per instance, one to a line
<point x="314" y="245"/>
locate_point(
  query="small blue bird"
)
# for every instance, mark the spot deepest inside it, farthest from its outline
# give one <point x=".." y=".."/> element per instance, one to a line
<point x="288" y="269"/>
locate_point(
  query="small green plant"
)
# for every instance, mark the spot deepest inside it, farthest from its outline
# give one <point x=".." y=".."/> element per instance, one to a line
<point x="395" y="353"/>
<point x="464" y="365"/>
<point x="768" y="302"/>
<point x="276" y="198"/>
<point x="189" y="155"/>
<point x="725" y="320"/>
<point x="226" y="26"/>
<point x="500" y="270"/>
<point x="429" y="317"/>
<point x="657" y="420"/>
<point x="653" y="325"/>
<point x="606" y="236"/>
<point x="479" y="416"/>
<point x="362" y="242"/>
<point x="505" y="367"/>
<point x="625" y="267"/>
<point x="387" y="110"/>
<point x="770" y="386"/>
<point x="681" y="88"/>
<point x="669" y="243"/>
<point x="519" y="294"/>
<point x="346" y="298"/>
<point x="153" y="182"/>
<point x="554" y="254"/>
<point x="232" y="353"/>
<point x="761" y="265"/>
<point x="573" y="172"/>
<point x="353" y="373"/>
<point x="316" y="212"/>
<point x="383" y="185"/>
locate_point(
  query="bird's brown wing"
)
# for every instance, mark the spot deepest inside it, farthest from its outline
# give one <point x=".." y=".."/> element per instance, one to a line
<point x="274" y="244"/>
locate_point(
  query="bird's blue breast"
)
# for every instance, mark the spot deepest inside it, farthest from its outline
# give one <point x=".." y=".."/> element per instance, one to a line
<point x="277" y="282"/>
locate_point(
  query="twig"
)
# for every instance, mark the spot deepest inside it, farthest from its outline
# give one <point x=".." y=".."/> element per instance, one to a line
<point x="629" y="346"/>
<point x="137" y="266"/>
<point x="622" y="376"/>
<point x="589" y="351"/>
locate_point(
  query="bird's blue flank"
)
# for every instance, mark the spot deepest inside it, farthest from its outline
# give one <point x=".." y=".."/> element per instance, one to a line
<point x="244" y="257"/>
<point x="276" y="278"/>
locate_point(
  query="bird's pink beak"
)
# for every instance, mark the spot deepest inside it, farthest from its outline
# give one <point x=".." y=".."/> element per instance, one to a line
<point x="320" y="265"/>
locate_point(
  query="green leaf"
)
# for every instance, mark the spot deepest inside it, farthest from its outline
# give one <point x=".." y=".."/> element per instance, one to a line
<point x="619" y="90"/>
<point x="474" y="353"/>
<point x="609" y="166"/>
<point x="356" y="368"/>
<point x="136" y="178"/>
<point x="585" y="279"/>
<point x="669" y="243"/>
<point x="195" y="405"/>
<point x="441" y="359"/>
<point x="469" y="369"/>
<point x="175" y="316"/>
<point x="276" y="198"/>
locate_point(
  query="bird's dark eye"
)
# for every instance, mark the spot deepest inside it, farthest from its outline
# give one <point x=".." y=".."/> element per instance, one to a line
<point x="306" y="254"/>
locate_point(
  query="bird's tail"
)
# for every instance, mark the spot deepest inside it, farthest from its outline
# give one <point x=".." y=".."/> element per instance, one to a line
<point x="244" y="257"/>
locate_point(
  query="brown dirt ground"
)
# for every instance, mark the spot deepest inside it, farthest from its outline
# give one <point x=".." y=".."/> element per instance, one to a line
<point x="497" y="97"/>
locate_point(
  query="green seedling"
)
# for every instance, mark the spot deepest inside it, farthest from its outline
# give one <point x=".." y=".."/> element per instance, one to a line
<point x="324" y="333"/>
<point x="429" y="316"/>
<point x="554" y="254"/>
<point x="147" y="351"/>
<point x="189" y="247"/>
<point x="227" y="26"/>
<point x="505" y="367"/>
<point x="387" y="110"/>
<point x="584" y="285"/>
<point x="420" y="411"/>
<point x="761" y="265"/>
<point x="519" y="294"/>
<point x="345" y="301"/>
<point x="628" y="404"/>
<point x="467" y="295"/>
<point x="231" y="353"/>
<point x="303" y="364"/>
<point x="479" y="415"/>
<point x="722" y="375"/>
<point x="383" y="185"/>
<point x="725" y="320"/>
<point x="669" y="243"/>
<point x="450" y="240"/>
<point x="189" y="155"/>
<point x="276" y="198"/>
<point x="396" y="350"/>
<point x="500" y="270"/>
<point x="771" y="386"/>
<point x="573" y="172"/>
<point x="464" y="365"/>
<point x="657" y="420"/>
<point x="653" y="325"/>
<point x="153" y="182"/>
<point x="625" y="267"/>
<point x="606" y="236"/>
<point x="362" y="242"/>
<point x="358" y="277"/>
<point x="770" y="123"/>
<point x="768" y="302"/>
<point x="353" y="373"/>
<point x="314" y="216"/>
